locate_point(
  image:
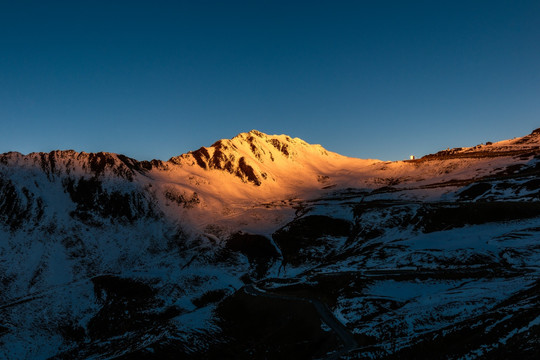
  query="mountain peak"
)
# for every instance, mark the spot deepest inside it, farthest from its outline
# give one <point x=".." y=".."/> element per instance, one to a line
<point x="249" y="155"/>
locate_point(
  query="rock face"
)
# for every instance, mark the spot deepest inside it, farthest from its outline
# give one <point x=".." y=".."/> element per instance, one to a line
<point x="243" y="155"/>
<point x="264" y="246"/>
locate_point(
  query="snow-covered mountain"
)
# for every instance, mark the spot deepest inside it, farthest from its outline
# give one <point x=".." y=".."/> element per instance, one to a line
<point x="265" y="246"/>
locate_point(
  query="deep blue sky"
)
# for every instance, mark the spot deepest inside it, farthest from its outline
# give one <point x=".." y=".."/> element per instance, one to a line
<point x="370" y="79"/>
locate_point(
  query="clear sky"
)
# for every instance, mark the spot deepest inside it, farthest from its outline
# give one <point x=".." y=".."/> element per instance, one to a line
<point x="370" y="79"/>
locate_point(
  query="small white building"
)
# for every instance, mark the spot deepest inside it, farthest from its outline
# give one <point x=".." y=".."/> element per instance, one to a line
<point x="412" y="157"/>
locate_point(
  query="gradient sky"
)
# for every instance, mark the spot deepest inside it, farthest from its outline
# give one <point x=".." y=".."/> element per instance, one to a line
<point x="369" y="79"/>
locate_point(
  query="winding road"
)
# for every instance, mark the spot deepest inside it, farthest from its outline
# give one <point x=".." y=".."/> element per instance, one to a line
<point x="346" y="337"/>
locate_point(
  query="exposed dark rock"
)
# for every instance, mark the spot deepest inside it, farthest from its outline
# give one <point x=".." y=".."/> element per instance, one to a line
<point x="474" y="191"/>
<point x="245" y="170"/>
<point x="223" y="159"/>
<point x="91" y="198"/>
<point x="134" y="165"/>
<point x="258" y="249"/>
<point x="531" y="185"/>
<point x="306" y="239"/>
<point x="99" y="161"/>
<point x="201" y="156"/>
<point x="438" y="217"/>
<point x="284" y="148"/>
<point x="16" y="205"/>
<point x="183" y="199"/>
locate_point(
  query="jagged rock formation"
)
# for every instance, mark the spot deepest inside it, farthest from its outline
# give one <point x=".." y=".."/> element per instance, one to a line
<point x="243" y="154"/>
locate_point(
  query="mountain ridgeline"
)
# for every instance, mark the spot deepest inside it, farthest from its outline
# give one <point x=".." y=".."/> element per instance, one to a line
<point x="265" y="246"/>
<point x="241" y="155"/>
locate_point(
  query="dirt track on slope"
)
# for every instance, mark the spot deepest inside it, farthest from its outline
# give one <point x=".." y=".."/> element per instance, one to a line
<point x="346" y="337"/>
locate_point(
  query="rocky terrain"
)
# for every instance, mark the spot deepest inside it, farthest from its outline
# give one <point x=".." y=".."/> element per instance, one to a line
<point x="264" y="246"/>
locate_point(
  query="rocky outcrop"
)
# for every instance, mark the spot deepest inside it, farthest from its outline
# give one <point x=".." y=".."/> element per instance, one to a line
<point x="242" y="155"/>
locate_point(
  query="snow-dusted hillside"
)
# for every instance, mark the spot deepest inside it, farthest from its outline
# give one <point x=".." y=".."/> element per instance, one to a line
<point x="103" y="256"/>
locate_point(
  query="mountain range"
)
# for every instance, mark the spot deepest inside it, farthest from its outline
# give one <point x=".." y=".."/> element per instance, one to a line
<point x="265" y="246"/>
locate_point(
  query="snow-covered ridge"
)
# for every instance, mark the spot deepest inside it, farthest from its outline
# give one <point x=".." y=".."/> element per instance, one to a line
<point x="517" y="146"/>
<point x="98" y="251"/>
<point x="248" y="156"/>
<point x="62" y="162"/>
<point x="256" y="167"/>
<point x="245" y="154"/>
